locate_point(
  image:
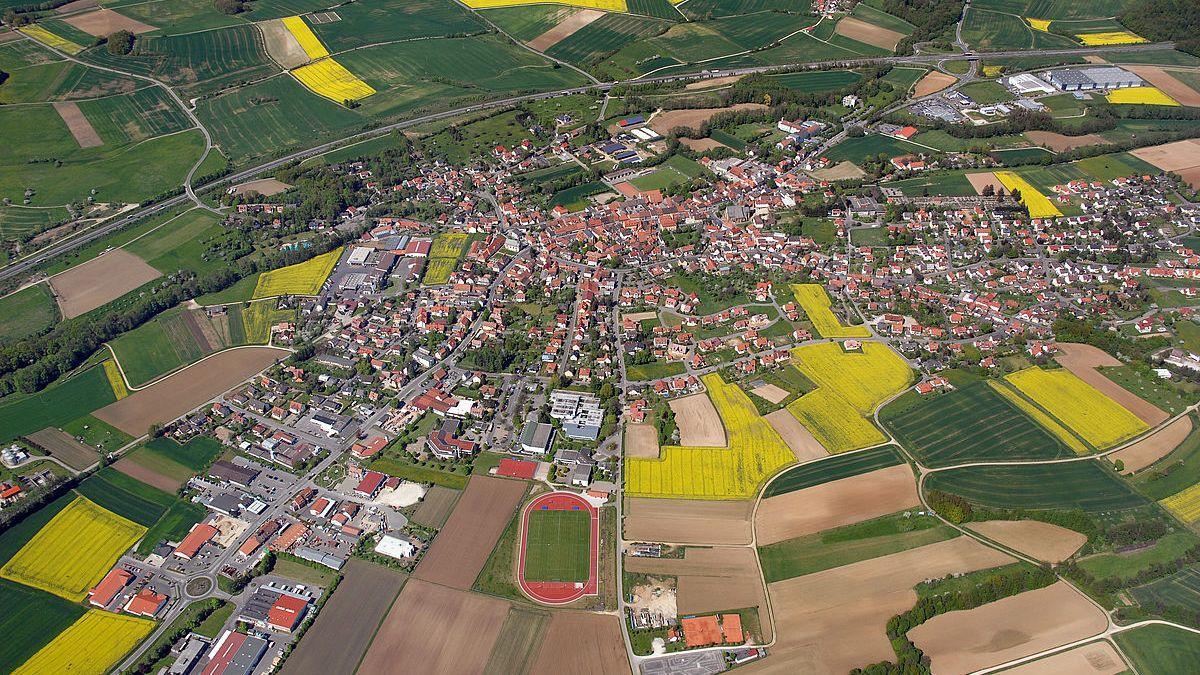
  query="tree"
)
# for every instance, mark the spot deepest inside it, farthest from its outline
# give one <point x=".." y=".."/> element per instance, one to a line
<point x="120" y="43"/>
<point x="231" y="6"/>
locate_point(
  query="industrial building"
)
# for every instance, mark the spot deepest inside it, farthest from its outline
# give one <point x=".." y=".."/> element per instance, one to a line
<point x="1090" y="79"/>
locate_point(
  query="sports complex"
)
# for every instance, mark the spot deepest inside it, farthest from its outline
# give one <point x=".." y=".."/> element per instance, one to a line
<point x="560" y="549"/>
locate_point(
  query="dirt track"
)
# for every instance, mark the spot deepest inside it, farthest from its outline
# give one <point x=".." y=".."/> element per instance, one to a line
<point x="1046" y="542"/>
<point x="1154" y="447"/>
<point x="869" y="33"/>
<point x="1098" y="658"/>
<point x="187" y="389"/>
<point x="1083" y="361"/>
<point x="1011" y="628"/>
<point x="565" y="29"/>
<point x="837" y="503"/>
<point x="460" y="550"/>
<point x="579" y="643"/>
<point x="641" y="440"/>
<point x="803" y="444"/>
<point x="85" y="287"/>
<point x="698" y="421"/>
<point x="688" y="521"/>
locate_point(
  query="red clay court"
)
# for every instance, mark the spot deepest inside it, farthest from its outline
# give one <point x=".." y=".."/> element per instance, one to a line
<point x="560" y="592"/>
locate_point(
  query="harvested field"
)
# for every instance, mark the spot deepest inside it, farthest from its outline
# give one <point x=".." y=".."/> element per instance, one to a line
<point x="76" y="6"/>
<point x="640" y="316"/>
<point x="713" y="82"/>
<point x="1191" y="176"/>
<point x="436" y="506"/>
<point x="1011" y="628"/>
<point x="1083" y="360"/>
<point x="702" y="144"/>
<point x="836" y="620"/>
<point x="688" y="521"/>
<point x="78" y="124"/>
<point x="187" y="389"/>
<point x="1167" y="83"/>
<point x="564" y="29"/>
<point x="933" y="83"/>
<point x="1044" y="541"/>
<point x="104" y="22"/>
<point x="772" y="393"/>
<point x="267" y="187"/>
<point x="641" y="440"/>
<point x="444" y="630"/>
<point x="692" y="118"/>
<point x="1154" y="447"/>
<point x="462" y="547"/>
<point x="337" y="640"/>
<point x="83" y="288"/>
<point x="845" y="170"/>
<point x="64" y="446"/>
<point x="698" y="422"/>
<point x="1098" y="658"/>
<point x="131" y="468"/>
<point x="282" y="46"/>
<point x="583" y="644"/>
<point x="796" y="435"/>
<point x="856" y="29"/>
<point x="840" y="502"/>
<point x="709" y="579"/>
<point x="1061" y="143"/>
<point x="983" y="179"/>
<point x="1175" y="156"/>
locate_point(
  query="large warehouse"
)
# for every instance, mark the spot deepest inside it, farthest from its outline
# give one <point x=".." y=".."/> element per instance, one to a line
<point x="1086" y="79"/>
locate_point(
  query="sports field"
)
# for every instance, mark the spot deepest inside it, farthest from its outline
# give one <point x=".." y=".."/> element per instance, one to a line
<point x="816" y="304"/>
<point x="90" y="646"/>
<point x="1084" y="485"/>
<point x="1037" y="203"/>
<point x="1141" y="96"/>
<point x="330" y="79"/>
<point x="1096" y="418"/>
<point x="305" y="278"/>
<point x="754" y="453"/>
<point x="557" y="547"/>
<point x="73" y="551"/>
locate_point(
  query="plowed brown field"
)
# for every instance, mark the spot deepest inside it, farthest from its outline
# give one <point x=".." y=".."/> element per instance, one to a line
<point x="836" y="503"/>
<point x="462" y="547"/>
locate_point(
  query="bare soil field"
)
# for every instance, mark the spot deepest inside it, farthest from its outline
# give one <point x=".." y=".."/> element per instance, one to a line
<point x="771" y="392"/>
<point x="132" y="469"/>
<point x="641" y="440"/>
<point x="267" y="187"/>
<point x="664" y="122"/>
<point x="1044" y="541"/>
<point x="76" y="6"/>
<point x="442" y="629"/>
<point x="713" y="82"/>
<point x="1164" y="80"/>
<point x="1060" y="143"/>
<point x="104" y="22"/>
<point x="836" y="503"/>
<point x="698" y="421"/>
<point x="688" y="521"/>
<point x="579" y="643"/>
<point x="701" y="144"/>
<point x="1175" y="156"/>
<point x="103" y="279"/>
<point x="709" y="579"/>
<point x="1083" y="360"/>
<point x="1191" y="176"/>
<point x="1024" y="624"/>
<point x="796" y="435"/>
<point x="464" y="544"/>
<point x="436" y="507"/>
<point x="65" y="448"/>
<point x="282" y="46"/>
<point x="1094" y="58"/>
<point x="7" y="35"/>
<point x="836" y="620"/>
<point x="869" y="33"/>
<point x="187" y="389"/>
<point x="1098" y="658"/>
<point x="933" y="83"/>
<point x="983" y="179"/>
<point x="565" y="29"/>
<point x="640" y="316"/>
<point x="343" y="630"/>
<point x="841" y="171"/>
<point x="78" y="124"/>
<point x="1154" y="447"/>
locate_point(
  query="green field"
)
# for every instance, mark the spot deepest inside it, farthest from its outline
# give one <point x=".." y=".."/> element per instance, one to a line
<point x="1160" y="650"/>
<point x="969" y="424"/>
<point x="1018" y="156"/>
<point x="575" y="198"/>
<point x="156" y="348"/>
<point x="27" y="312"/>
<point x="131" y="118"/>
<point x="654" y="371"/>
<point x="418" y="474"/>
<point x="196" y="454"/>
<point x="126" y="496"/>
<point x="558" y="545"/>
<point x="365" y="23"/>
<point x="203" y="61"/>
<point x="605" y="36"/>
<point x="858" y="149"/>
<point x="1054" y="9"/>
<point x="1084" y="485"/>
<point x="1181" y="589"/>
<point x="56" y="405"/>
<point x="31" y="620"/>
<point x="904" y="78"/>
<point x="880" y="18"/>
<point x="527" y="22"/>
<point x="697" y="9"/>
<point x="37" y="75"/>
<point x="1128" y="565"/>
<point x="835" y="468"/>
<point x="817" y="81"/>
<point x="172" y="526"/>
<point x="952" y="183"/>
<point x="179" y="243"/>
<point x="97" y="433"/>
<point x="987" y="92"/>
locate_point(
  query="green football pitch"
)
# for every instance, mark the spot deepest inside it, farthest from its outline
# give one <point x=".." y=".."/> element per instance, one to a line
<point x="557" y="547"/>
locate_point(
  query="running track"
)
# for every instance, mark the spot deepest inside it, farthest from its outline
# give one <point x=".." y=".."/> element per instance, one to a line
<point x="560" y="592"/>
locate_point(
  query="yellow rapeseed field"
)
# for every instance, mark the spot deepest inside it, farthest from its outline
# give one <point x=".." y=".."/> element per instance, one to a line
<point x="992" y="71"/>
<point x="438" y="271"/>
<point x="1097" y="419"/>
<point x="755" y="453"/>
<point x="73" y="551"/>
<point x="1116" y="37"/>
<point x="1185" y="505"/>
<point x="44" y="36"/>
<point x="330" y="79"/>
<point x="115" y="380"/>
<point x="1039" y="24"/>
<point x="1141" y="96"/>
<point x="606" y="5"/>
<point x="448" y="245"/>
<point x="815" y="302"/>
<point x="90" y="646"/>
<point x="834" y="422"/>
<point x="302" y="279"/>
<point x="1057" y="430"/>
<point x="307" y="39"/>
<point x="1039" y="206"/>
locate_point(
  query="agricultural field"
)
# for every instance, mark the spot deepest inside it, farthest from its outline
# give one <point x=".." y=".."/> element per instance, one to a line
<point x="1160" y="650"/>
<point x="817" y="81"/>
<point x="172" y="526"/>
<point x="831" y="469"/>
<point x="56" y="405"/>
<point x="363" y="23"/>
<point x="605" y="36"/>
<point x="1083" y="485"/>
<point x="43" y="617"/>
<point x="1141" y="96"/>
<point x="1038" y="204"/>
<point x="443" y="258"/>
<point x="816" y="305"/>
<point x="27" y="312"/>
<point x="126" y="496"/>
<point x="1096" y="418"/>
<point x="1063" y="434"/>
<point x="755" y="451"/>
<point x="1184" y="505"/>
<point x="73" y="551"/>
<point x="93" y="644"/>
<point x="558" y="544"/>
<point x="330" y="79"/>
<point x="202" y="61"/>
<point x="461" y="549"/>
<point x="304" y="278"/>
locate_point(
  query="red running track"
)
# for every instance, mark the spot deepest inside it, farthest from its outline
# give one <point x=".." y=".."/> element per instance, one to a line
<point x="560" y="592"/>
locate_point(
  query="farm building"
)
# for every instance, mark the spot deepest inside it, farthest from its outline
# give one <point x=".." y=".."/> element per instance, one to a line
<point x="1088" y="79"/>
